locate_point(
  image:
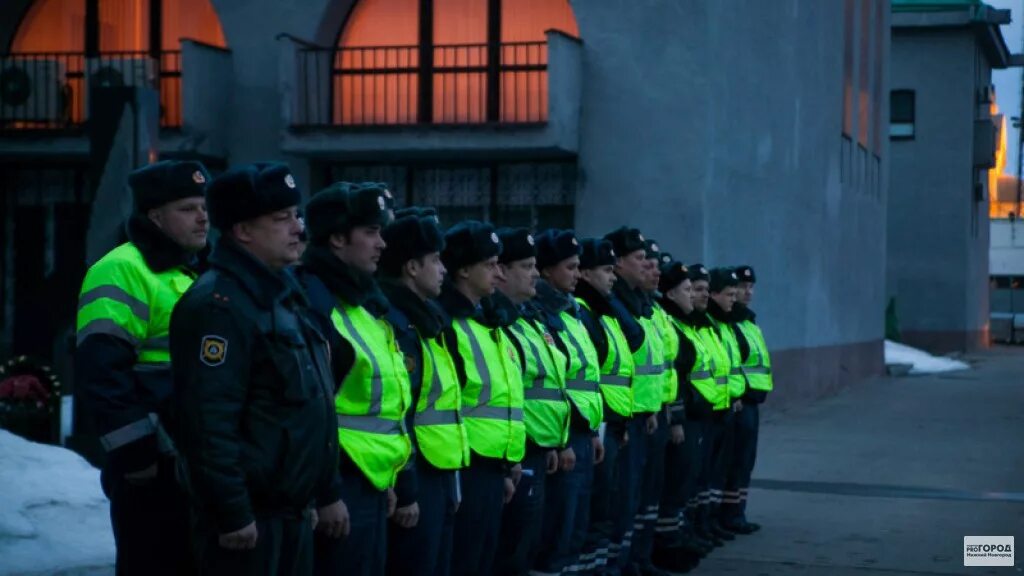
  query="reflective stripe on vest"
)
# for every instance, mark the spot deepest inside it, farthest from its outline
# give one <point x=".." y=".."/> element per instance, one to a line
<point x="546" y="407"/>
<point x="123" y="298"/>
<point x="737" y="381"/>
<point x="758" y="366"/>
<point x="373" y="398"/>
<point x="584" y="375"/>
<point x="649" y="375"/>
<point x="438" y="420"/>
<point x="617" y="370"/>
<point x="492" y="396"/>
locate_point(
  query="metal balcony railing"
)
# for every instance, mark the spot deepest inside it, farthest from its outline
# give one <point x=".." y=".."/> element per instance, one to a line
<point x="411" y="85"/>
<point x="50" y="90"/>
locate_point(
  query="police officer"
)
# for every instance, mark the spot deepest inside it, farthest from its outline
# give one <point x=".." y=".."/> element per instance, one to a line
<point x="489" y="371"/>
<point x="568" y="491"/>
<point x="253" y="387"/>
<point x="122" y="365"/>
<point x="345" y="222"/>
<point x="546" y="403"/>
<point x="611" y="518"/>
<point x="635" y="314"/>
<point x="678" y="549"/>
<point x="699" y="422"/>
<point x="723" y="295"/>
<point x="420" y="534"/>
<point x="757" y="367"/>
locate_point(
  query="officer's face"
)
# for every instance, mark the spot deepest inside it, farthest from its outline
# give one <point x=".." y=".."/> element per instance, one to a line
<point x="274" y="239"/>
<point x="601" y="278"/>
<point x="520" y="282"/>
<point x="183" y="221"/>
<point x="700" y="295"/>
<point x="745" y="293"/>
<point x="360" y="248"/>
<point x="682" y="295"/>
<point x="427" y="274"/>
<point x="633" y="268"/>
<point x="652" y="274"/>
<point x="564" y="275"/>
<point x="726" y="298"/>
<point x="482" y="278"/>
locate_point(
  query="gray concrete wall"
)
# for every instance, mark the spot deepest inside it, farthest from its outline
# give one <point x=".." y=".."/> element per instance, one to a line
<point x="703" y="129"/>
<point x="934" y="222"/>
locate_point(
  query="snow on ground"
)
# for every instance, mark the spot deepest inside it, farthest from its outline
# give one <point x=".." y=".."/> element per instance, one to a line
<point x="922" y="362"/>
<point x="54" y="518"/>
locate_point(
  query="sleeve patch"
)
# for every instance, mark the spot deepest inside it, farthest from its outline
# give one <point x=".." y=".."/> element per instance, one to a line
<point x="213" y="350"/>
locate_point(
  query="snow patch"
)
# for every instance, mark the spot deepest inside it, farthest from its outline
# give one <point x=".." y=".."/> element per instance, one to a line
<point x="53" y="514"/>
<point x="922" y="362"/>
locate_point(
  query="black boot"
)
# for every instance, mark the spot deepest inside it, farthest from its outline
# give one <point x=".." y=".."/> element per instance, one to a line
<point x="717" y="529"/>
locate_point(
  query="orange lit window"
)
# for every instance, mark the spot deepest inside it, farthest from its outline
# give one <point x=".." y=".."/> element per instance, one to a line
<point x="123" y="26"/>
<point x="379" y="64"/>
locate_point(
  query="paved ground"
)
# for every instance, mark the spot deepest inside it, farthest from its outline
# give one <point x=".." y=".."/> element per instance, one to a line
<point x="887" y="477"/>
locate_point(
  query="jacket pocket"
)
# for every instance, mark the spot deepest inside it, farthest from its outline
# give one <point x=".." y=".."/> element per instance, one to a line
<point x="294" y="362"/>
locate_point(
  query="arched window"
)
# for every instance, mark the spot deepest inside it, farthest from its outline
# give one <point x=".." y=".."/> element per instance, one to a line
<point x="480" y="66"/>
<point x="53" y="35"/>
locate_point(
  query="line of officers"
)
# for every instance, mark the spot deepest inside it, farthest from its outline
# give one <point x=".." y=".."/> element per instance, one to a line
<point x="355" y="391"/>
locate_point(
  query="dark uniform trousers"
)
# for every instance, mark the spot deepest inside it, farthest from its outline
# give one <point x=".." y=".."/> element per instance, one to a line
<point x="364" y="551"/>
<point x="567" y="509"/>
<point x="596" y="548"/>
<point x="722" y="436"/>
<point x="746" y="424"/>
<point x="683" y="463"/>
<point x="145" y="546"/>
<point x="426" y="549"/>
<point x="652" y="482"/>
<point x="284" y="547"/>
<point x="625" y="494"/>
<point x="522" y="518"/>
<point x="478" y="521"/>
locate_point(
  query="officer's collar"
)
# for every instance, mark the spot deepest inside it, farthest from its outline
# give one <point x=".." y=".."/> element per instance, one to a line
<point x="554" y="301"/>
<point x="159" y="251"/>
<point x="266" y="286"/>
<point x="423" y="314"/>
<point x="742" y="313"/>
<point x="716" y="312"/>
<point x="631" y="298"/>
<point x="498" y="311"/>
<point x="598" y="303"/>
<point x="455" y="303"/>
<point x="355" y="288"/>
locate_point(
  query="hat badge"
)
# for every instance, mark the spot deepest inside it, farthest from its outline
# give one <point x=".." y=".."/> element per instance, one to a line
<point x="703" y="270"/>
<point x="733" y="275"/>
<point x="494" y="238"/>
<point x="654" y="248"/>
<point x="746" y="273"/>
<point x="387" y="193"/>
<point x="381" y="202"/>
<point x="611" y="253"/>
<point x="529" y="239"/>
<point x="289" y="181"/>
<point x="641" y="237"/>
<point x="665" y="259"/>
<point x="683" y="269"/>
<point x="574" y="242"/>
<point x="198" y="177"/>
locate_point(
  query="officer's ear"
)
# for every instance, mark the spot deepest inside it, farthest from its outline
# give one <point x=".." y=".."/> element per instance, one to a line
<point x="412" y="267"/>
<point x="156" y="217"/>
<point x="338" y="240"/>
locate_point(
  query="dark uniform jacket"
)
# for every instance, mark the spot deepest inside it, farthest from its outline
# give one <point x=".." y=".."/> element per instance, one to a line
<point x="254" y="394"/>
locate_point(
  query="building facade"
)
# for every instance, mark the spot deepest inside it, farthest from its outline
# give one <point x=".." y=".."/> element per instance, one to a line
<point x="947" y="151"/>
<point x="731" y="132"/>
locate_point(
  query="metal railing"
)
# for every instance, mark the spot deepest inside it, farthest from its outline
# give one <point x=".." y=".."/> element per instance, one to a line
<point x="410" y="85"/>
<point x="50" y="90"/>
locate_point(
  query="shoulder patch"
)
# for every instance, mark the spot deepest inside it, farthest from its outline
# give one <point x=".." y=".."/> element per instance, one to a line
<point x="410" y="364"/>
<point x="213" y="350"/>
<point x="548" y="338"/>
